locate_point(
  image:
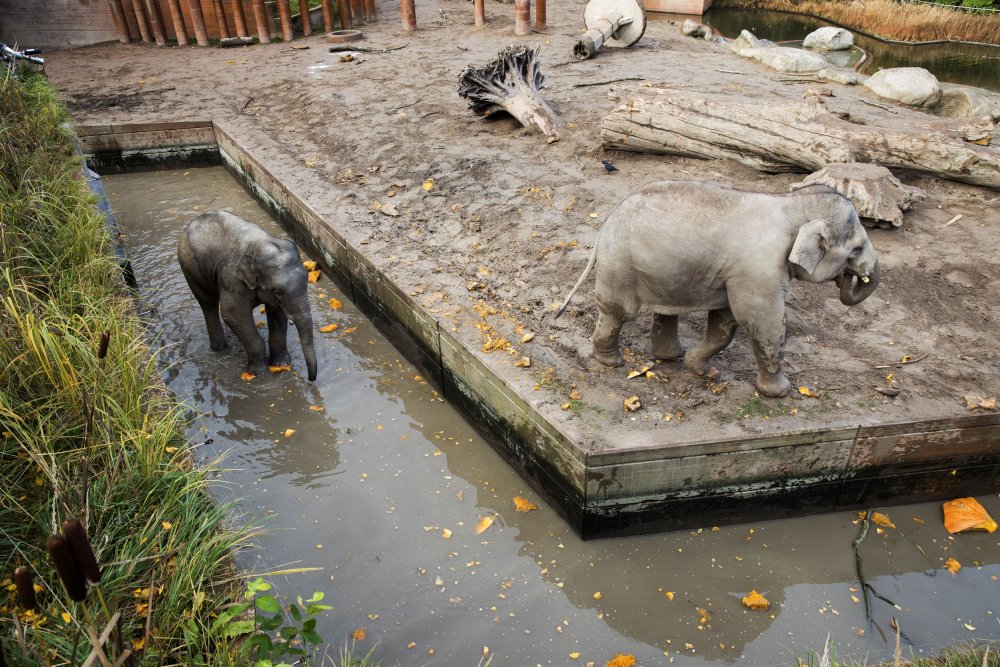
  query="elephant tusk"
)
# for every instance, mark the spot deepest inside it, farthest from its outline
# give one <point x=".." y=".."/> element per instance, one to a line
<point x="865" y="279"/>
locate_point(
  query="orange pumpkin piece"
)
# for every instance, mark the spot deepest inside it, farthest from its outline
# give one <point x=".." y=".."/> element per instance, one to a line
<point x="967" y="514"/>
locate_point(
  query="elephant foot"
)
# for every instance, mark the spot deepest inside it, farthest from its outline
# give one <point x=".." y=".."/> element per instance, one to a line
<point x="219" y="345"/>
<point x="613" y="358"/>
<point x="280" y="359"/>
<point x="773" y="386"/>
<point x="667" y="350"/>
<point x="695" y="361"/>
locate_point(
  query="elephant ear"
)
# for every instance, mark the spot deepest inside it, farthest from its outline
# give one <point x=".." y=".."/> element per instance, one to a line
<point x="809" y="246"/>
<point x="246" y="271"/>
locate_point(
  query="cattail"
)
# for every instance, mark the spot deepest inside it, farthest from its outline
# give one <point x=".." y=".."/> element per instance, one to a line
<point x="25" y="582"/>
<point x="69" y="571"/>
<point x="102" y="349"/>
<point x="79" y="544"/>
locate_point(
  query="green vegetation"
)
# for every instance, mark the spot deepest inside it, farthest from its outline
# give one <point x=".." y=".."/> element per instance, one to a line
<point x="888" y="19"/>
<point x="983" y="654"/>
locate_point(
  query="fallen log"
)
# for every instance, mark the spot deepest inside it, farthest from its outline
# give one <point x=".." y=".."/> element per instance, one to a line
<point x="793" y="136"/>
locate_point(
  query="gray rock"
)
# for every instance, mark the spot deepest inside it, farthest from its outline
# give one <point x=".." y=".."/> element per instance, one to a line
<point x="828" y="38"/>
<point x="913" y="86"/>
<point x="692" y="29"/>
<point x="846" y="77"/>
<point x="959" y="101"/>
<point x="874" y="191"/>
<point x="786" y="59"/>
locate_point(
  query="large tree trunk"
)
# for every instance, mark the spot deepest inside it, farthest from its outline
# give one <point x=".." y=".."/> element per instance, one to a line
<point x="794" y="136"/>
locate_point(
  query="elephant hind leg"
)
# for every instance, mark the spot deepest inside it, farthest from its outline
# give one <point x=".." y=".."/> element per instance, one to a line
<point x="208" y="300"/>
<point x="719" y="334"/>
<point x="663" y="336"/>
<point x="605" y="339"/>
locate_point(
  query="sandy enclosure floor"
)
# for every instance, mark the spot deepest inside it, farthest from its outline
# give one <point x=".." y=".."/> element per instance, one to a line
<point x="508" y="222"/>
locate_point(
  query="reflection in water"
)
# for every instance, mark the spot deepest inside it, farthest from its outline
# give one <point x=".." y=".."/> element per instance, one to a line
<point x="956" y="63"/>
<point x="365" y="485"/>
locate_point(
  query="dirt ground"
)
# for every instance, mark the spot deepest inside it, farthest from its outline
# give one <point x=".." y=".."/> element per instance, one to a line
<point x="508" y="222"/>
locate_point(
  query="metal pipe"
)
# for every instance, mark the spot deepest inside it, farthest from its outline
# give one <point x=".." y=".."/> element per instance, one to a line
<point x="198" y="19"/>
<point x="263" y="21"/>
<point x="156" y="22"/>
<point x="220" y="18"/>
<point x="522" y="17"/>
<point x="540" y="15"/>
<point x="140" y="19"/>
<point x="480" y="8"/>
<point x="240" y="19"/>
<point x="180" y="31"/>
<point x="408" y="15"/>
<point x="285" y="17"/>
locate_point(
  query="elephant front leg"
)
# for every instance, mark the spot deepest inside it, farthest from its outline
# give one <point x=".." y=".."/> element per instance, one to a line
<point x="239" y="317"/>
<point x="277" y="334"/>
<point x="719" y="334"/>
<point x="663" y="336"/>
<point x="605" y="339"/>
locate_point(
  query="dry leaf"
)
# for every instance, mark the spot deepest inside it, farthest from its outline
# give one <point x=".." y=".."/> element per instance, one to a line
<point x="309" y="265"/>
<point x="952" y="565"/>
<point x="631" y="404"/>
<point x="336" y="304"/>
<point x="314" y="276"/>
<point x="574" y="655"/>
<point x="350" y="330"/>
<point x="978" y="402"/>
<point x="358" y="635"/>
<point x="279" y="369"/>
<point x="316" y="408"/>
<point x="566" y="406"/>
<point x="621" y="660"/>
<point x="445" y="533"/>
<point x="167" y="525"/>
<point x="755" y="600"/>
<point x="878" y="519"/>
<point x="483" y="524"/>
<point x="328" y="328"/>
<point x="289" y="432"/>
<point x="523" y="362"/>
<point x="806" y="391"/>
<point x="575" y="395"/>
<point x="428" y="185"/>
<point x="247" y="376"/>
<point x="967" y="514"/>
<point x="388" y="209"/>
<point x="523" y="504"/>
<point x="527" y="338"/>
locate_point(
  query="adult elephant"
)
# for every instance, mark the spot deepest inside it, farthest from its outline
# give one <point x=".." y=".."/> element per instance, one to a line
<point x="681" y="246"/>
<point x="232" y="266"/>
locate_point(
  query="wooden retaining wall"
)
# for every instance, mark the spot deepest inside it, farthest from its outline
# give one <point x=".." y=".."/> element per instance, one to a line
<point x="613" y="488"/>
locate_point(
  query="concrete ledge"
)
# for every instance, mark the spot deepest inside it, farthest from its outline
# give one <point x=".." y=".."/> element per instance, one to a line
<point x="600" y="487"/>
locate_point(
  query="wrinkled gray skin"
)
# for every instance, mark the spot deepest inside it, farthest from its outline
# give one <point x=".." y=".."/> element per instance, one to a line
<point x="232" y="266"/>
<point x="681" y="246"/>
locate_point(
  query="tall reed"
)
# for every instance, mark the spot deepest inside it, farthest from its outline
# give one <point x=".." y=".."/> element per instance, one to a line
<point x="892" y="20"/>
<point x="89" y="438"/>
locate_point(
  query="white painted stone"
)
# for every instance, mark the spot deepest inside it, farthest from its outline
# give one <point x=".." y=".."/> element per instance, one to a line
<point x="913" y="86"/>
<point x="828" y="38"/>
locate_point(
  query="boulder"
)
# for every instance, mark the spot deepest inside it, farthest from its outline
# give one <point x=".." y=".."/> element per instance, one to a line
<point x="874" y="191"/>
<point x="913" y="86"/>
<point x="692" y="29"/>
<point x="959" y="101"/>
<point x="780" y="58"/>
<point x="828" y="38"/>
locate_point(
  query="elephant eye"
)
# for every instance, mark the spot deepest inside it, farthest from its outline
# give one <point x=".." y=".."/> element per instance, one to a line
<point x="278" y="291"/>
<point x="857" y="251"/>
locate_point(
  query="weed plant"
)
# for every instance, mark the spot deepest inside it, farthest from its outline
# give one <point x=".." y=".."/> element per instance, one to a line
<point x="891" y="20"/>
<point x="89" y="438"/>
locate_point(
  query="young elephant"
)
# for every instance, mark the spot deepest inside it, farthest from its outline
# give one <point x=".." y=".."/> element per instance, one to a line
<point x="681" y="246"/>
<point x="233" y="266"/>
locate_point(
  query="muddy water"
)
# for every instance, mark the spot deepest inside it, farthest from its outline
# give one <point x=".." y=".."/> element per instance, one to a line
<point x="370" y="481"/>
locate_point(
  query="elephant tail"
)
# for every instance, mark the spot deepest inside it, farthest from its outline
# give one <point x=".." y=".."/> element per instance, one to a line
<point x="586" y="272"/>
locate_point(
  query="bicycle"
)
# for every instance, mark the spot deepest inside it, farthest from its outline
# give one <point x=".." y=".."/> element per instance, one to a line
<point x="12" y="58"/>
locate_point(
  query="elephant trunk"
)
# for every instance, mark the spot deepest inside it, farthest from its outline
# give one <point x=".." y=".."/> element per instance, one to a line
<point x="854" y="290"/>
<point x="302" y="317"/>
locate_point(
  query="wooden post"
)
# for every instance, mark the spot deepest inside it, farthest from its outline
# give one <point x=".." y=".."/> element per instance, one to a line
<point x="358" y="12"/>
<point x="307" y="28"/>
<point x="198" y="19"/>
<point x="263" y="22"/>
<point x="346" y="19"/>
<point x="408" y="15"/>
<point x="141" y="20"/>
<point x="522" y="17"/>
<point x="285" y="17"/>
<point x="369" y="10"/>
<point x="220" y="18"/>
<point x="121" y="25"/>
<point x="240" y="19"/>
<point x="156" y="22"/>
<point x="327" y="6"/>
<point x="540" y="15"/>
<point x="179" y="30"/>
<point x="480" y="8"/>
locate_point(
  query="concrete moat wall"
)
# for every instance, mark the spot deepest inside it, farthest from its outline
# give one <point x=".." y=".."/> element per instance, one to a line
<point x="609" y="490"/>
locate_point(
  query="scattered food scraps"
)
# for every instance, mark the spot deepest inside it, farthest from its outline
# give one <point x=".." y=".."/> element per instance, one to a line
<point x="952" y="565"/>
<point x="523" y="504"/>
<point x="964" y="514"/>
<point x="755" y="600"/>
